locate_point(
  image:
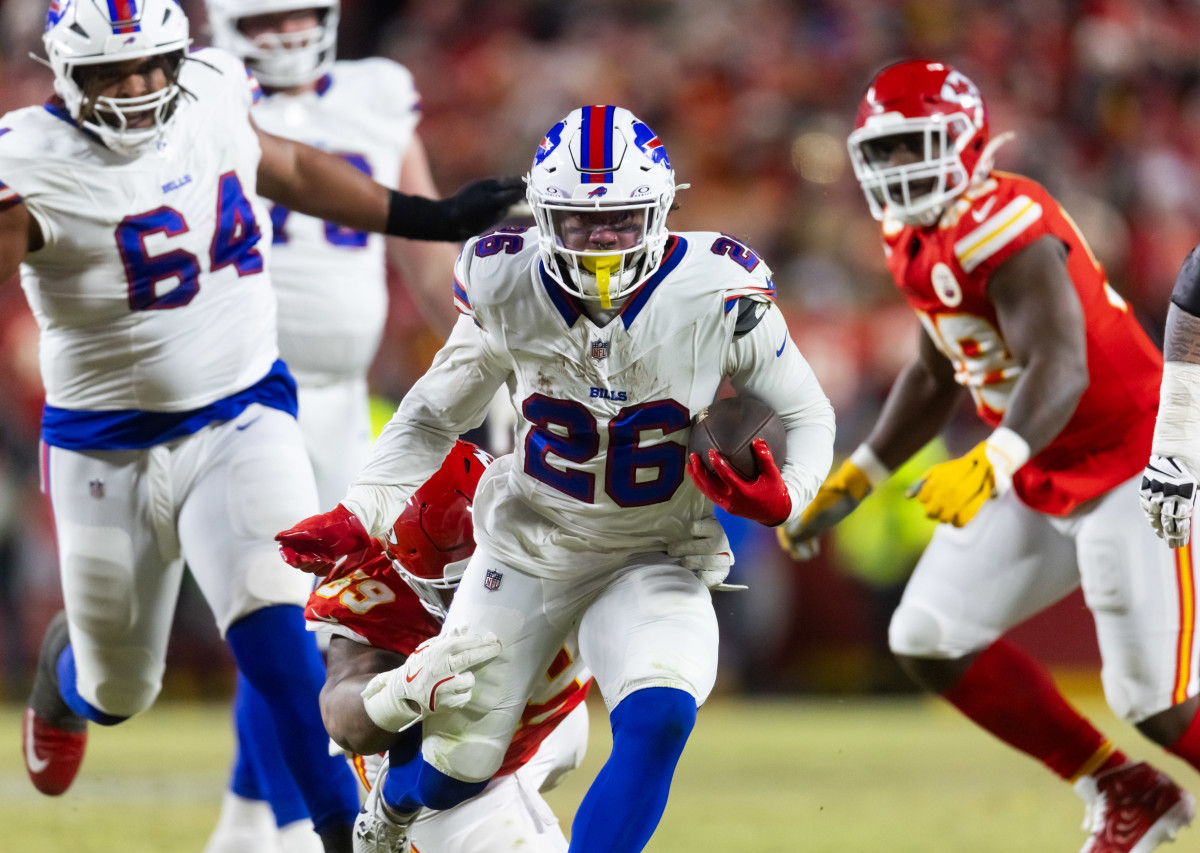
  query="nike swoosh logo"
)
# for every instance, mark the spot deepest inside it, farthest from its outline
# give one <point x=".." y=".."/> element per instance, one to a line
<point x="779" y="351"/>
<point x="35" y="764"/>
<point x="248" y="423"/>
<point x="331" y="620"/>
<point x="409" y="678"/>
<point x="981" y="214"/>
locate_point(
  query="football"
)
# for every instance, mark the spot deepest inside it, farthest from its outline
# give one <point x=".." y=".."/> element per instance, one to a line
<point x="730" y="425"/>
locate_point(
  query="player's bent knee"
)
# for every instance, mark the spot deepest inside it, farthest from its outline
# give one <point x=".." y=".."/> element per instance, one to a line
<point x="914" y="632"/>
<point x="661" y="716"/>
<point x="440" y="791"/>
<point x="463" y="757"/>
<point x="122" y="698"/>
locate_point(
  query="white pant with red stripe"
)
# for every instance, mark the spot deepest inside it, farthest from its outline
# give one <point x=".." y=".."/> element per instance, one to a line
<point x="974" y="583"/>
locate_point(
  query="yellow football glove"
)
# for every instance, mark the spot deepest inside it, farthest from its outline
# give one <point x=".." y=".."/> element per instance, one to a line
<point x="954" y="491"/>
<point x="837" y="498"/>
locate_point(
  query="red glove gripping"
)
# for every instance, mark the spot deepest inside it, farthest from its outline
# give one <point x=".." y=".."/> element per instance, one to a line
<point x="765" y="499"/>
<point x="317" y="543"/>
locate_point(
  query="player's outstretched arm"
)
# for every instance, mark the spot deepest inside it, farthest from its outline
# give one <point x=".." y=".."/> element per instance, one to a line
<point x="19" y="235"/>
<point x="318" y="542"/>
<point x="1169" y="483"/>
<point x="349" y="667"/>
<point x="425" y="265"/>
<point x="838" y="496"/>
<point x="320" y="184"/>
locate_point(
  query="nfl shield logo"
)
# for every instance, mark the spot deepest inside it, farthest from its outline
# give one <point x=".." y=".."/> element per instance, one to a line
<point x="599" y="349"/>
<point x="96" y="488"/>
<point x="491" y="580"/>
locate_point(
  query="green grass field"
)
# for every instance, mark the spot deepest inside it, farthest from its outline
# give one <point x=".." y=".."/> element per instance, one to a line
<point x="823" y="776"/>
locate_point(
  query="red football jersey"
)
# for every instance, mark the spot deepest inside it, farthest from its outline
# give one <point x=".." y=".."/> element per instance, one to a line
<point x="943" y="273"/>
<point x="370" y="603"/>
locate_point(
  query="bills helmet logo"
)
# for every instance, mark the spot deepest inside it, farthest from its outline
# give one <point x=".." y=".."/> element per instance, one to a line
<point x="549" y="143"/>
<point x="491" y="580"/>
<point x="57" y="9"/>
<point x="598" y="191"/>
<point x="647" y="140"/>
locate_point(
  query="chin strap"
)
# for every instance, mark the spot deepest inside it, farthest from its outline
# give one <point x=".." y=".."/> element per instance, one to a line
<point x="988" y="157"/>
<point x="602" y="266"/>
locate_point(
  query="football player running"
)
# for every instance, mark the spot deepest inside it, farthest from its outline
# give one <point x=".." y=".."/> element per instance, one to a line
<point x="383" y="611"/>
<point x="129" y="202"/>
<point x="331" y="285"/>
<point x="610" y="334"/>
<point x="1014" y="308"/>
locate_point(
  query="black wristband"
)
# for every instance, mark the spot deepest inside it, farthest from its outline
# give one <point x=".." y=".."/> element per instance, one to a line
<point x="418" y="218"/>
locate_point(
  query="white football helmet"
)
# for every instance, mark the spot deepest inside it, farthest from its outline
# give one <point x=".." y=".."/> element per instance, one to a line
<point x="95" y="32"/>
<point x="601" y="159"/>
<point x="279" y="60"/>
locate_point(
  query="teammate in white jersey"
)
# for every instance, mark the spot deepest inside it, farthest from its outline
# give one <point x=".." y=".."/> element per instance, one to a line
<point x="610" y="334"/>
<point x="129" y="203"/>
<point x="331" y="284"/>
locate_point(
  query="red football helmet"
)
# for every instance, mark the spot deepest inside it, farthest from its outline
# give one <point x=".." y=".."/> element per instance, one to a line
<point x="938" y="115"/>
<point x="431" y="541"/>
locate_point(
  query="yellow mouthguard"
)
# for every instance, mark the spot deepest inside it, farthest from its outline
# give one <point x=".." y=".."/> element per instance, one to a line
<point x="601" y="266"/>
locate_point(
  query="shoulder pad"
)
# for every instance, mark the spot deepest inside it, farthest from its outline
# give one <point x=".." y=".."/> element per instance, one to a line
<point x="750" y="312"/>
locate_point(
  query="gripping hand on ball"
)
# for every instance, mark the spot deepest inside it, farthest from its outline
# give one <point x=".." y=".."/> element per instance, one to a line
<point x="764" y="499"/>
<point x="838" y="496"/>
<point x="437" y="676"/>
<point x="317" y="543"/>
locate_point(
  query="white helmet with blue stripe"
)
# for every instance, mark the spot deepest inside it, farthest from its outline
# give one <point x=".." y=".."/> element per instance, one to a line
<point x="280" y="60"/>
<point x="601" y="167"/>
<point x="86" y="33"/>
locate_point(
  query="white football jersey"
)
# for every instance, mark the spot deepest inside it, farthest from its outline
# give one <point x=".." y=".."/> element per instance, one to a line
<point x="151" y="291"/>
<point x="598" y="473"/>
<point x="331" y="281"/>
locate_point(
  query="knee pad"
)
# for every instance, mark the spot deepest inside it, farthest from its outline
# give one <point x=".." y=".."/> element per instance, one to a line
<point x="127" y="685"/>
<point x="98" y="572"/>
<point x="1106" y="579"/>
<point x="914" y="632"/>
<point x="469" y="758"/>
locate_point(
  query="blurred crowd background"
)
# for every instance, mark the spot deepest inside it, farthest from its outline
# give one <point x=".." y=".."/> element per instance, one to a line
<point x="753" y="99"/>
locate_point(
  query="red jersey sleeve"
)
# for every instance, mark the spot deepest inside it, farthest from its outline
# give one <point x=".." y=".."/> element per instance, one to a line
<point x="999" y="224"/>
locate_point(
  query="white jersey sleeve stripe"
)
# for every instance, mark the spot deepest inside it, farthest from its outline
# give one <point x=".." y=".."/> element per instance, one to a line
<point x="7" y="193"/>
<point x="461" y="301"/>
<point x="997" y="232"/>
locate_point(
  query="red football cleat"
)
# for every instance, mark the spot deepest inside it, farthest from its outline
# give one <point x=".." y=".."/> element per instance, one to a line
<point x="53" y="736"/>
<point x="1133" y="808"/>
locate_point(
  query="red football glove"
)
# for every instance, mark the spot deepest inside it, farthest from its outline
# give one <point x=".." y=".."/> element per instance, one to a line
<point x="317" y="543"/>
<point x="765" y="499"/>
